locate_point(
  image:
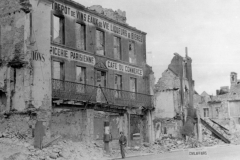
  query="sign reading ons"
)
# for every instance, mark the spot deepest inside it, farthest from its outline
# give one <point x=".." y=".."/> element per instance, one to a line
<point x="72" y="55"/>
<point x="124" y="68"/>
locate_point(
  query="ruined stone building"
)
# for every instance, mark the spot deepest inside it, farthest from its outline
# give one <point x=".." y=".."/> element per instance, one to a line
<point x="173" y="97"/>
<point x="73" y="68"/>
<point x="224" y="107"/>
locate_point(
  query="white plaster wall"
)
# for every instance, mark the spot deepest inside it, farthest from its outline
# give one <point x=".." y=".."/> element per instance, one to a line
<point x="164" y="104"/>
<point x="41" y="91"/>
<point x="21" y="95"/>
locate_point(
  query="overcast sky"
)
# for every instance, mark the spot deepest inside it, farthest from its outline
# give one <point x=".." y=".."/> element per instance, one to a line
<point x="209" y="28"/>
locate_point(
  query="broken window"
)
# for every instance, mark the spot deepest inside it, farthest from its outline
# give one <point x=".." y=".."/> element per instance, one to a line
<point x="101" y="78"/>
<point x="118" y="86"/>
<point x="117" y="47"/>
<point x="133" y="87"/>
<point x="58" y="75"/>
<point x="58" y="29"/>
<point x="99" y="42"/>
<point x="80" y="36"/>
<point x="132" y="54"/>
<point x="205" y="112"/>
<point x="57" y="70"/>
<point x="217" y="112"/>
<point x="165" y="130"/>
<point x="81" y="79"/>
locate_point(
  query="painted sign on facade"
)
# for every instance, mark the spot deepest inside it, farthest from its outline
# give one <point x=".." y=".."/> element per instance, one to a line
<point x="37" y="56"/>
<point x="72" y="55"/>
<point x="124" y="68"/>
<point x="90" y="19"/>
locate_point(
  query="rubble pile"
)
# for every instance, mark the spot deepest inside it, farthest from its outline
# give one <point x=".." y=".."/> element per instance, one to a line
<point x="67" y="150"/>
<point x="16" y="143"/>
<point x="17" y="128"/>
<point x="235" y="139"/>
<point x="59" y="150"/>
<point x="170" y="144"/>
<point x="209" y="139"/>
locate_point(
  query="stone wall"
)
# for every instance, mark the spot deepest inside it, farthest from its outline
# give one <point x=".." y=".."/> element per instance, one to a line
<point x="73" y="124"/>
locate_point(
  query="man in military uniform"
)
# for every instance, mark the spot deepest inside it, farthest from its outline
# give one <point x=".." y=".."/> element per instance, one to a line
<point x="123" y="143"/>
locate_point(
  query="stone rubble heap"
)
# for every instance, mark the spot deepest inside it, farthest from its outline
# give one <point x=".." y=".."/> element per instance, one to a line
<point x="169" y="144"/>
<point x="209" y="139"/>
<point x="59" y="150"/>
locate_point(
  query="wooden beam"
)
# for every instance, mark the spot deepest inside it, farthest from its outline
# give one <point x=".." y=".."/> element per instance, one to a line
<point x="216" y="133"/>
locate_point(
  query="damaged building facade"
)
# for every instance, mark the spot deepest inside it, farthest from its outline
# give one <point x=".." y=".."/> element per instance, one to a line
<point x="224" y="107"/>
<point x="173" y="97"/>
<point x="74" y="69"/>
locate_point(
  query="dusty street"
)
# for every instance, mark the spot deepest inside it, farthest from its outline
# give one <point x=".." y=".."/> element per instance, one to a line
<point x="230" y="152"/>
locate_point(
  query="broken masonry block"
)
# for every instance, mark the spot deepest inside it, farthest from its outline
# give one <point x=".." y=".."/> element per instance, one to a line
<point x="25" y="6"/>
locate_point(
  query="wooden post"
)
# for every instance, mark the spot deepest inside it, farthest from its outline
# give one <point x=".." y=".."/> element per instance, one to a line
<point x="199" y="125"/>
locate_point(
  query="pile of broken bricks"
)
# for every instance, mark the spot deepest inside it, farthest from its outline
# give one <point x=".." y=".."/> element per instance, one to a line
<point x="62" y="149"/>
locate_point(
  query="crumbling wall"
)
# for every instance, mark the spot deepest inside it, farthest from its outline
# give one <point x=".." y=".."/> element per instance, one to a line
<point x="169" y="80"/>
<point x="167" y="127"/>
<point x="165" y="106"/>
<point x="117" y="15"/>
<point x="76" y="124"/>
<point x="68" y="124"/>
<point x="14" y="60"/>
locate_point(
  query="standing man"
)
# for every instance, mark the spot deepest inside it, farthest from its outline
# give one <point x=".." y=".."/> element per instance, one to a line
<point x="123" y="143"/>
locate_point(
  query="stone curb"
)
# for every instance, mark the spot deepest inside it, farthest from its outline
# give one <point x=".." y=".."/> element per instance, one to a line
<point x="146" y="154"/>
<point x="176" y="150"/>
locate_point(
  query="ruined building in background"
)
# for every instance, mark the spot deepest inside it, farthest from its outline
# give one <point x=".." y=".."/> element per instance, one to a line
<point x="173" y="97"/>
<point x="74" y="68"/>
<point x="224" y="107"/>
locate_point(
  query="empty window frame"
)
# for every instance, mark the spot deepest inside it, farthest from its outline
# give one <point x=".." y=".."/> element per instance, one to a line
<point x="101" y="78"/>
<point x="117" y="47"/>
<point x="58" y="75"/>
<point x="58" y="70"/>
<point x="58" y="30"/>
<point x="132" y="54"/>
<point x="100" y="42"/>
<point x="81" y="79"/>
<point x="80" y="36"/>
<point x="133" y="87"/>
<point x="205" y="112"/>
<point x="118" y="86"/>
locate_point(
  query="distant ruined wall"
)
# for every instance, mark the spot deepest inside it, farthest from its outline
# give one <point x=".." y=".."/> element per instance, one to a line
<point x="169" y="80"/>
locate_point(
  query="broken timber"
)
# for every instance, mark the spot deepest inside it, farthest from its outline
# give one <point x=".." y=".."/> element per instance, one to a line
<point x="219" y="125"/>
<point x="214" y="131"/>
